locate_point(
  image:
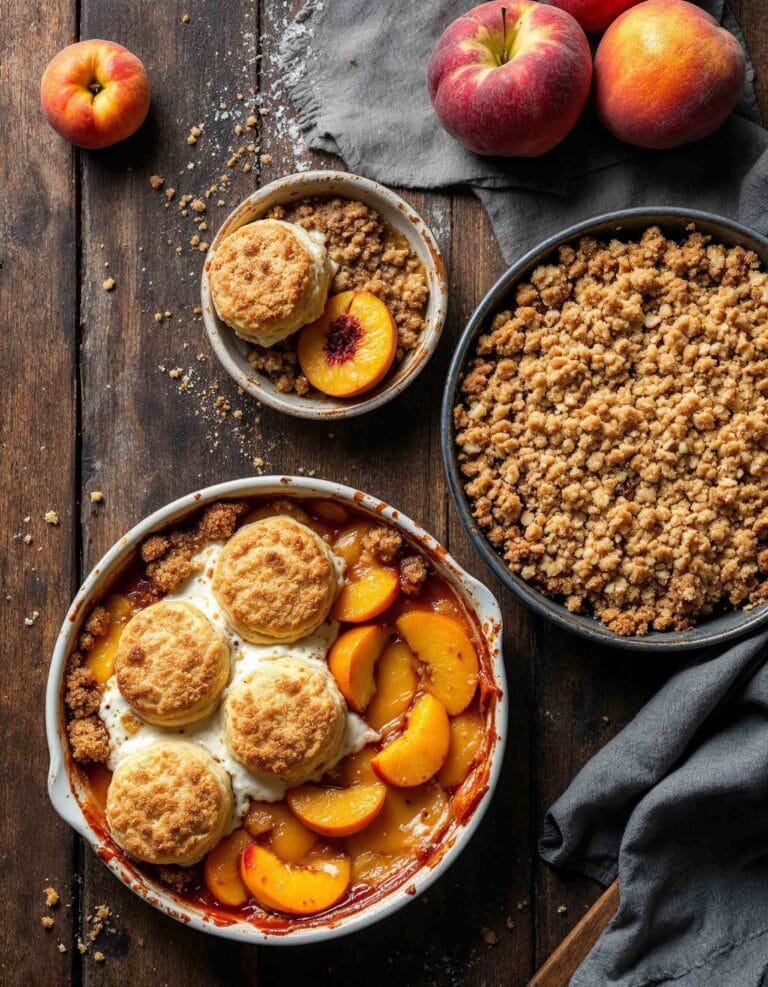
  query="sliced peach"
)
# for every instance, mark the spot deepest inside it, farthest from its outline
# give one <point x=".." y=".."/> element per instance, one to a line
<point x="290" y="840"/>
<point x="259" y="819"/>
<point x="420" y="751"/>
<point x="337" y="812"/>
<point x="329" y="510"/>
<point x="294" y="889"/>
<point x="451" y="659"/>
<point x="101" y="659"/>
<point x="351" y="661"/>
<point x="221" y="870"/>
<point x="350" y="348"/>
<point x="366" y="594"/>
<point x="370" y="867"/>
<point x="348" y="543"/>
<point x="409" y="819"/>
<point x="396" y="683"/>
<point x="466" y="736"/>
<point x="356" y="768"/>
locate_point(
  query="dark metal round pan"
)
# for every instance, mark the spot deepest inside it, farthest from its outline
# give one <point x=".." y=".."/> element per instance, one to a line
<point x="714" y="630"/>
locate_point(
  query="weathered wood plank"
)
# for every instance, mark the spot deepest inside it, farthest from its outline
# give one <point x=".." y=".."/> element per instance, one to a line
<point x="751" y="15"/>
<point x="501" y="868"/>
<point x="144" y="442"/>
<point x="38" y="294"/>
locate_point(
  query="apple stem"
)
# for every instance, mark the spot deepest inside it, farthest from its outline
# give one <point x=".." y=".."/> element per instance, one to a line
<point x="504" y="56"/>
<point x="95" y="88"/>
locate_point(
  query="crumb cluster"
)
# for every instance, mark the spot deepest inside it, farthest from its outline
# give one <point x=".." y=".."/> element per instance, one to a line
<point x="168" y="557"/>
<point x="613" y="430"/>
<point x="385" y="544"/>
<point x="371" y="257"/>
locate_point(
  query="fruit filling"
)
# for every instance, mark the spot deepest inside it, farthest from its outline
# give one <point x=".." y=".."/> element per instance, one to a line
<point x="402" y="661"/>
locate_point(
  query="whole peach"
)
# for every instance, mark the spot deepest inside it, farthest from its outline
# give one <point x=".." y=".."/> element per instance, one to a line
<point x="510" y="77"/>
<point x="594" y="15"/>
<point x="666" y="73"/>
<point x="95" y="93"/>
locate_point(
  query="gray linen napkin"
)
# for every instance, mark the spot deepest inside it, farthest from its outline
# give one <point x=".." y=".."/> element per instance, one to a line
<point x="677" y="806"/>
<point x="355" y="70"/>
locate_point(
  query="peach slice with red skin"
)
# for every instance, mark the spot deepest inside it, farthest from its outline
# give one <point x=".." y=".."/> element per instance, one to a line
<point x="221" y="870"/>
<point x="396" y="684"/>
<point x="367" y="593"/>
<point x="294" y="889"/>
<point x="337" y="812"/>
<point x="420" y="751"/>
<point x="466" y="737"/>
<point x="451" y="659"/>
<point x="350" y="348"/>
<point x="351" y="661"/>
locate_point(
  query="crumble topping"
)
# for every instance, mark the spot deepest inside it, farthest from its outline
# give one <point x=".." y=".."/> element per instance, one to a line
<point x="179" y="879"/>
<point x="383" y="543"/>
<point x="613" y="430"/>
<point x="89" y="740"/>
<point x="82" y="694"/>
<point x="169" y="558"/>
<point x="413" y="573"/>
<point x="370" y="257"/>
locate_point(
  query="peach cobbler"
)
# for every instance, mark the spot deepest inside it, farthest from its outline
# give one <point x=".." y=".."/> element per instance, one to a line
<point x="280" y="709"/>
<point x="613" y="430"/>
<point x="329" y="295"/>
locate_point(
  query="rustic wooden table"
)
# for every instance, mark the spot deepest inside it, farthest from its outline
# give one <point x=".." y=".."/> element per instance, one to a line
<point x="90" y="404"/>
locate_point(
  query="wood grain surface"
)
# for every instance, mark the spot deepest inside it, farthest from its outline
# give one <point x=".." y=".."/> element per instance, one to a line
<point x="99" y="395"/>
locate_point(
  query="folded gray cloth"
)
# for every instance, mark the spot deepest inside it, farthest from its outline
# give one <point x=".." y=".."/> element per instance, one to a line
<point x="677" y="806"/>
<point x="355" y="70"/>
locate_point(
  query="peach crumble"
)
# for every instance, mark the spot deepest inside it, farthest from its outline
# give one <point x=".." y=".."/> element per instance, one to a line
<point x="613" y="430"/>
<point x="347" y="740"/>
<point x="371" y="257"/>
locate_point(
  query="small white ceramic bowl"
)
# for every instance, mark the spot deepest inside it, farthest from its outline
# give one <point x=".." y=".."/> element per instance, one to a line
<point x="232" y="352"/>
<point x="71" y="800"/>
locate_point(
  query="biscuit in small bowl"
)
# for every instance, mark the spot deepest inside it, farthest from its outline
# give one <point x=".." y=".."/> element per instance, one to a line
<point x="275" y="580"/>
<point x="172" y="664"/>
<point x="269" y="278"/>
<point x="169" y="803"/>
<point x="285" y="720"/>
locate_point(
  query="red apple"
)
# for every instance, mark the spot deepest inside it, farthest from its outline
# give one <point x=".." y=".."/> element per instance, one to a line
<point x="95" y="93"/>
<point x="594" y="15"/>
<point x="510" y="77"/>
<point x="666" y="73"/>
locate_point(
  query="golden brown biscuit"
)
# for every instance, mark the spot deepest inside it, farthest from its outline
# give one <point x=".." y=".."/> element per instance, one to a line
<point x="275" y="580"/>
<point x="286" y="719"/>
<point x="172" y="664"/>
<point x="169" y="803"/>
<point x="268" y="279"/>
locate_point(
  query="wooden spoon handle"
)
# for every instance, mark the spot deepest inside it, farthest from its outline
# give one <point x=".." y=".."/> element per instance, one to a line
<point x="567" y="958"/>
